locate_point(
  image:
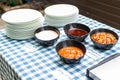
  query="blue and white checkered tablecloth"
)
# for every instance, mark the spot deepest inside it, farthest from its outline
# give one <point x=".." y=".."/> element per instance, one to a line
<point x="30" y="61"/>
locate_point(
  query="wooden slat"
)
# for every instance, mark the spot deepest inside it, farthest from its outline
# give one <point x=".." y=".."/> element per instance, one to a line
<point x="104" y="7"/>
<point x="101" y="13"/>
<point x="103" y="20"/>
<point x="115" y="3"/>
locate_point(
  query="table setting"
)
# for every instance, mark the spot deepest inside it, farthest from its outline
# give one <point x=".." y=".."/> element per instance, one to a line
<point x="27" y="59"/>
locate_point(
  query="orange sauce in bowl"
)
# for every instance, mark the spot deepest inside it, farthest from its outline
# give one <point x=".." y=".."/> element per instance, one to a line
<point x="71" y="52"/>
<point x="104" y="38"/>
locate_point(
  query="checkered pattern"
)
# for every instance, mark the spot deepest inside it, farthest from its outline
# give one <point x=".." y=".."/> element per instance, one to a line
<point x="31" y="61"/>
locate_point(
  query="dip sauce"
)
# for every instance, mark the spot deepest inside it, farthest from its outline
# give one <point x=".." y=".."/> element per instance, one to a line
<point x="71" y="52"/>
<point x="77" y="32"/>
<point x="46" y="35"/>
<point x="104" y="38"/>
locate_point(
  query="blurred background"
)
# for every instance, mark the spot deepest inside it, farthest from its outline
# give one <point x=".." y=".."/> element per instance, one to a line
<point x="105" y="11"/>
<point x="6" y="5"/>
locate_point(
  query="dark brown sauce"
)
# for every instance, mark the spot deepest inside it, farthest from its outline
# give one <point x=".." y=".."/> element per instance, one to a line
<point x="77" y="32"/>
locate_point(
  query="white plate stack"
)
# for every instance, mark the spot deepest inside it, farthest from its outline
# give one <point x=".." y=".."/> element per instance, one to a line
<point x="21" y="23"/>
<point x="61" y="14"/>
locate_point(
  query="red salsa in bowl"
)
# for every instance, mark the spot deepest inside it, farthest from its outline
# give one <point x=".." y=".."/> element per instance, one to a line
<point x="77" y="32"/>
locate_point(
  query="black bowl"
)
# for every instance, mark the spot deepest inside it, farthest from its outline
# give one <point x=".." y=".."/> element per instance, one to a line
<point x="68" y="43"/>
<point x="47" y="42"/>
<point x="74" y="35"/>
<point x="101" y="45"/>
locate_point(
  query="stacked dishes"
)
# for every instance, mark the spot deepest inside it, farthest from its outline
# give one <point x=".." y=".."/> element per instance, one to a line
<point x="21" y="23"/>
<point x="61" y="14"/>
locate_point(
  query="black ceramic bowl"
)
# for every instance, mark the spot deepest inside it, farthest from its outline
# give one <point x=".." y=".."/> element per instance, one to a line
<point x="73" y="31"/>
<point x="47" y="35"/>
<point x="103" y="45"/>
<point x="69" y="43"/>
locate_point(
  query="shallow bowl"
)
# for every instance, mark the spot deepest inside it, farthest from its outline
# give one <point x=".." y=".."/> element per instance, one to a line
<point x="47" y="35"/>
<point x="71" y="43"/>
<point x="101" y="41"/>
<point x="76" y="32"/>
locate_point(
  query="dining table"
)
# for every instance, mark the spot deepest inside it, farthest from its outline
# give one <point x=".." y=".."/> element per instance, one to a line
<point x="28" y="60"/>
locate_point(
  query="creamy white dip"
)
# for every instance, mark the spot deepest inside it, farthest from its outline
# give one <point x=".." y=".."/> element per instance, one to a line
<point x="46" y="35"/>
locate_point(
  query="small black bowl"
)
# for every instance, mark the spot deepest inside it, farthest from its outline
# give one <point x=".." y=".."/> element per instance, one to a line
<point x="50" y="41"/>
<point x="85" y="29"/>
<point x="101" y="45"/>
<point x="68" y="43"/>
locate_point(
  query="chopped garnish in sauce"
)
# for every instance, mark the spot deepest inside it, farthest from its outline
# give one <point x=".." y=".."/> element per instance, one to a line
<point x="104" y="38"/>
<point x="71" y="52"/>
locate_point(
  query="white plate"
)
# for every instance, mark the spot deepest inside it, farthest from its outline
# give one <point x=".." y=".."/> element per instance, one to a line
<point x="61" y="10"/>
<point x="20" y="34"/>
<point x="60" y="22"/>
<point x="24" y="26"/>
<point x="21" y="16"/>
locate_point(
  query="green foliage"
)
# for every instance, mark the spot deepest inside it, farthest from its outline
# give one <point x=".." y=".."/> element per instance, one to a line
<point x="14" y="2"/>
